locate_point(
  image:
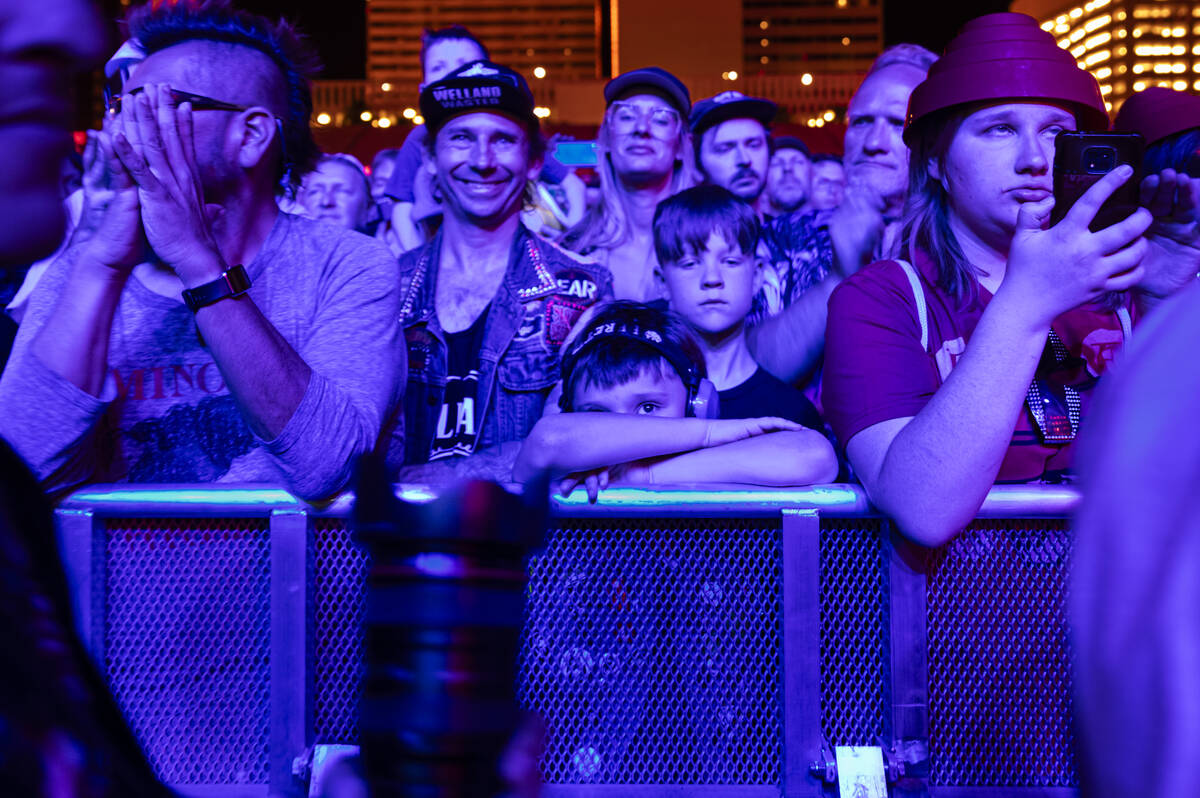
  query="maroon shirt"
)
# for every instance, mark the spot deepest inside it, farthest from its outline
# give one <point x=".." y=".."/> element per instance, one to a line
<point x="876" y="369"/>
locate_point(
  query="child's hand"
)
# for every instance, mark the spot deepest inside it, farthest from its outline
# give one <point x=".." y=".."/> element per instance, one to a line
<point x="727" y="430"/>
<point x="593" y="482"/>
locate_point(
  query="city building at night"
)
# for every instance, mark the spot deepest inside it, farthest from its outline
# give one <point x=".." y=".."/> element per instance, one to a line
<point x="1128" y="45"/>
<point x="794" y="36"/>
<point x="559" y="36"/>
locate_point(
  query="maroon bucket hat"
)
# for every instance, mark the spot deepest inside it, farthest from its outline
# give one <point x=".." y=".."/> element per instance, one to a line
<point x="1006" y="56"/>
<point x="1157" y="113"/>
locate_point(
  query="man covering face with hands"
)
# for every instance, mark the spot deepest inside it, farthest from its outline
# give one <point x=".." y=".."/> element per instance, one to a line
<point x="192" y="332"/>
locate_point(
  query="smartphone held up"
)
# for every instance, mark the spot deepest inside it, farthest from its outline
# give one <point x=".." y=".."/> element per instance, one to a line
<point x="1081" y="159"/>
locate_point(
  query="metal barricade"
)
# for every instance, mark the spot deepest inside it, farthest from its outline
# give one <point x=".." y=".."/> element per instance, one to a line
<point x="677" y="641"/>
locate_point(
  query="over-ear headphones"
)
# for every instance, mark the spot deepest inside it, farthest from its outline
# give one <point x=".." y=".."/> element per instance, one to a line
<point x="702" y="400"/>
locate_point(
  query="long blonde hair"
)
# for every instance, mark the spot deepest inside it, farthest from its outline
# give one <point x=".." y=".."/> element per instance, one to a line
<point x="606" y="224"/>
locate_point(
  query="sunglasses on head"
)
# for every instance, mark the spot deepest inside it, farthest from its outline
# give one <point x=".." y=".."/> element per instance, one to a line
<point x="198" y="101"/>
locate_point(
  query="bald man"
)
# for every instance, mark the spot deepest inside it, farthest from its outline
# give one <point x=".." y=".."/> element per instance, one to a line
<point x="191" y="332"/>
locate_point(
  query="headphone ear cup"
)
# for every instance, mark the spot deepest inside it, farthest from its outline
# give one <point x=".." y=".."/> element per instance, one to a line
<point x="706" y="403"/>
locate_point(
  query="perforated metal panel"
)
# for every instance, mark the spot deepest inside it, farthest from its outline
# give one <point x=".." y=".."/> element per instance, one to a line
<point x="999" y="675"/>
<point x="339" y="579"/>
<point x="854" y="632"/>
<point x="652" y="650"/>
<point x="187" y="643"/>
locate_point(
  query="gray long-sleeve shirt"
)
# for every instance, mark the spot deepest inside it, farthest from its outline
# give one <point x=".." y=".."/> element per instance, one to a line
<point x="165" y="414"/>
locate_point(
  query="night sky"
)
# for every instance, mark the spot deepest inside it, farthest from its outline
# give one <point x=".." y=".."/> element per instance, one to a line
<point x="339" y="28"/>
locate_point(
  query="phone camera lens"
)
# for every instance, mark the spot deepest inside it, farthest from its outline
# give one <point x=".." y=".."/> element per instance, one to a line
<point x="1099" y="160"/>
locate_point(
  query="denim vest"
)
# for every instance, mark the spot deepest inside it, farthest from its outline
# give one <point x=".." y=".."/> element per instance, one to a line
<point x="544" y="292"/>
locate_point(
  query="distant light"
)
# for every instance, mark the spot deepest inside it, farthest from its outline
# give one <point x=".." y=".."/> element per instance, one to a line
<point x="418" y="120"/>
<point x="764" y="60"/>
<point x="845" y="41"/>
<point x="541" y="112"/>
<point x="764" y="42"/>
<point x="324" y="118"/>
<point x="539" y="72"/>
<point x="806" y="79"/>
<point x="733" y="75"/>
<point x="365" y="116"/>
<point x="828" y="116"/>
<point x="385" y="122"/>
<point x="764" y="24"/>
<point x="409" y="113"/>
<point x="1141" y="84"/>
<point x="386" y="86"/>
<point x="841" y="3"/>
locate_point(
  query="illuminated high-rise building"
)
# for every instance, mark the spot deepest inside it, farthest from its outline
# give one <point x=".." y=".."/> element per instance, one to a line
<point x="1127" y="44"/>
<point x="796" y="36"/>
<point x="560" y="36"/>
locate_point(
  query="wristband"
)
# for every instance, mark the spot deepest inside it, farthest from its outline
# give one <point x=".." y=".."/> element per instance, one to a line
<point x="233" y="282"/>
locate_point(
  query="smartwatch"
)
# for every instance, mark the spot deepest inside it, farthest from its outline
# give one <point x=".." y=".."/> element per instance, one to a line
<point x="233" y="282"/>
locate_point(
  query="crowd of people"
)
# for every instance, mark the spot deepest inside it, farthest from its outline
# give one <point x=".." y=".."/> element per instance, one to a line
<point x="228" y="304"/>
<point x="719" y="305"/>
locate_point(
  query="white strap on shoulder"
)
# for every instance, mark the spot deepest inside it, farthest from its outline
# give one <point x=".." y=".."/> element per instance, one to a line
<point x="1126" y="325"/>
<point x="919" y="295"/>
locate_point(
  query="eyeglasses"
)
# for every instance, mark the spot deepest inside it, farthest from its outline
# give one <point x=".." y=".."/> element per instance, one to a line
<point x="626" y="117"/>
<point x="198" y="101"/>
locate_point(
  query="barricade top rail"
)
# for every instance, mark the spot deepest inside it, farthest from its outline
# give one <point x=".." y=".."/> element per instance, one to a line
<point x="837" y="500"/>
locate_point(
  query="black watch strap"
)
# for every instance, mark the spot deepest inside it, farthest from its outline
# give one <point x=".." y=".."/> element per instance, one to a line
<point x="233" y="282"/>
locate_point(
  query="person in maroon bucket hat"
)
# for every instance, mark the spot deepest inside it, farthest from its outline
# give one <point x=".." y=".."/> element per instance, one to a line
<point x="1169" y="121"/>
<point x="970" y="359"/>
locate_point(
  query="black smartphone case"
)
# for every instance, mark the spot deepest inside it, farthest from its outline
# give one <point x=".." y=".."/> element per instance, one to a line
<point x="1072" y="177"/>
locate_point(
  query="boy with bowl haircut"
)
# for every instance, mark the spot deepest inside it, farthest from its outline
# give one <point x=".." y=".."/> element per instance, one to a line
<point x="705" y="239"/>
<point x="635" y="403"/>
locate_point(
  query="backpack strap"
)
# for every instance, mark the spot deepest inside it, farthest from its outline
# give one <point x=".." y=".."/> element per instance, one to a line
<point x="919" y="294"/>
<point x="1126" y="325"/>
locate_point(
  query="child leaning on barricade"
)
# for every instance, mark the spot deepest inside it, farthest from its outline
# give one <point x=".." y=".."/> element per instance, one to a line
<point x="638" y="409"/>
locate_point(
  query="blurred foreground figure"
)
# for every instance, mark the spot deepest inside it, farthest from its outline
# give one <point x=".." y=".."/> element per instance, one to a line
<point x="445" y="607"/>
<point x="1137" y="567"/>
<point x="61" y="734"/>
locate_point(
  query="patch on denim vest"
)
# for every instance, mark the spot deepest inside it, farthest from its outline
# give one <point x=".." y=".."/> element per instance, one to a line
<point x="578" y="285"/>
<point x="420" y="346"/>
<point x="532" y="324"/>
<point x="561" y="315"/>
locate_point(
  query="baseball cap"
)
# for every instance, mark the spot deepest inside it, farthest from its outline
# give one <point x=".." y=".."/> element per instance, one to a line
<point x="660" y="80"/>
<point x="1006" y="56"/>
<point x="477" y="86"/>
<point x="729" y="105"/>
<point x="789" y="143"/>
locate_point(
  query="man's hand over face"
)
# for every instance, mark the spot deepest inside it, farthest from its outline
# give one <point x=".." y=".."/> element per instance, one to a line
<point x="156" y="146"/>
<point x="110" y="226"/>
<point x="855" y="226"/>
<point x="1173" y="257"/>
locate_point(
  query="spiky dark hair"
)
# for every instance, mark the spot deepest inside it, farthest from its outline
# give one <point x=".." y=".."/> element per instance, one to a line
<point x="158" y="25"/>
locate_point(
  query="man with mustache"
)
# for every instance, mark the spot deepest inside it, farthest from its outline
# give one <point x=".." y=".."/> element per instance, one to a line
<point x="809" y="254"/>
<point x="733" y="146"/>
<point x="485" y="304"/>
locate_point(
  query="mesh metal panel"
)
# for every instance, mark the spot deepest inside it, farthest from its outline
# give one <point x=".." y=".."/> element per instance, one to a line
<point x="854" y="632"/>
<point x="652" y="651"/>
<point x="999" y="675"/>
<point x="187" y="637"/>
<point x="339" y="610"/>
